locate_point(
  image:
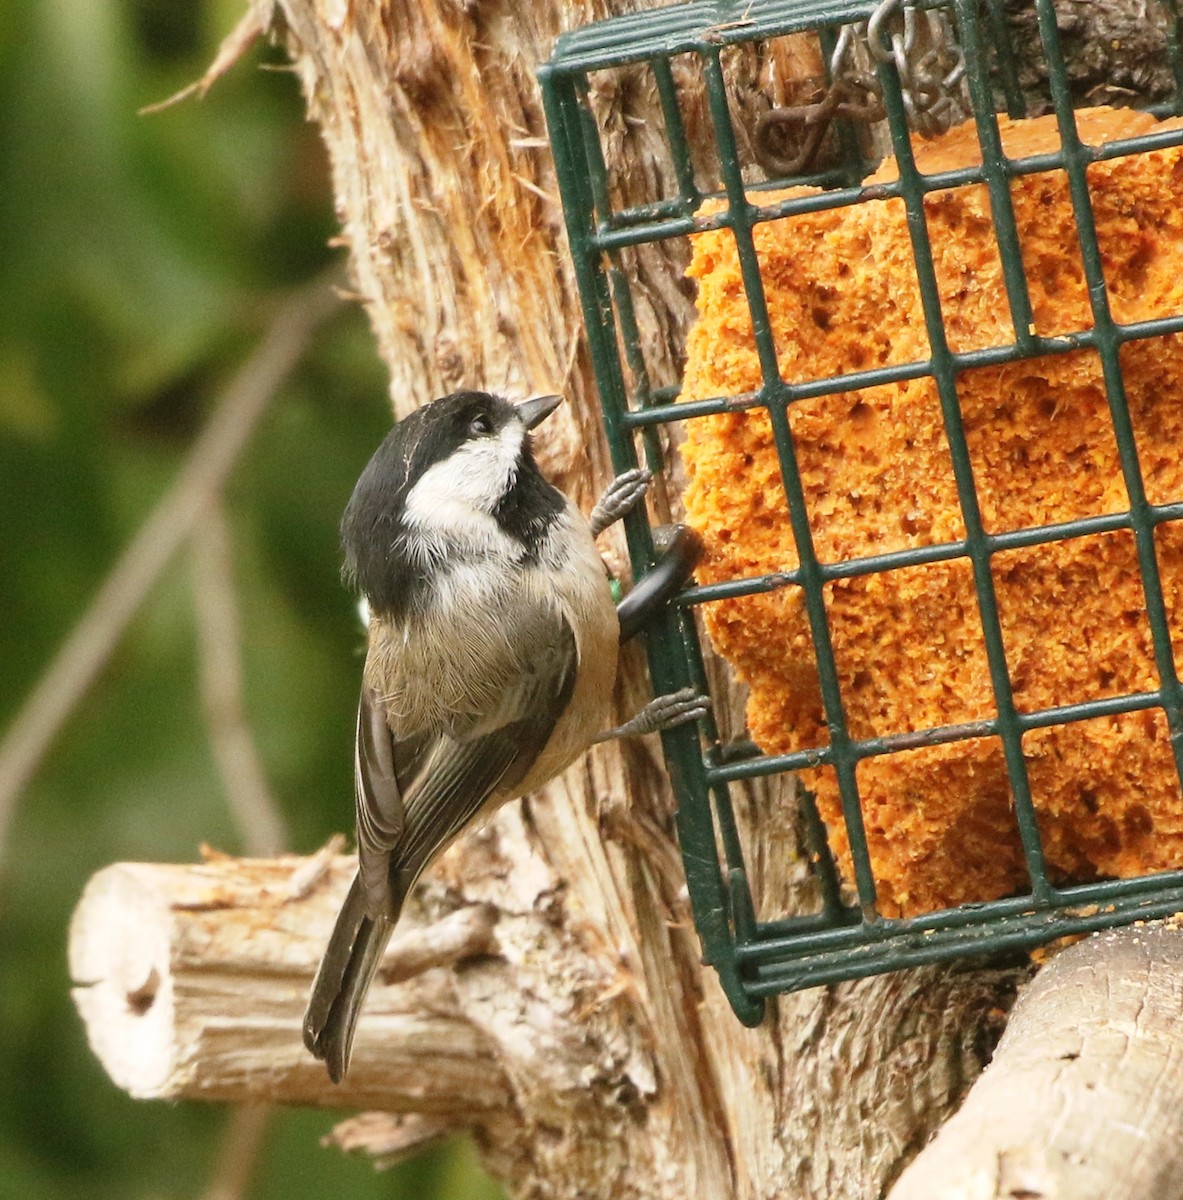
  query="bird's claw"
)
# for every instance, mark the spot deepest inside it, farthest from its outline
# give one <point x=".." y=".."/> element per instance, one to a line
<point x="621" y="496"/>
<point x="664" y="712"/>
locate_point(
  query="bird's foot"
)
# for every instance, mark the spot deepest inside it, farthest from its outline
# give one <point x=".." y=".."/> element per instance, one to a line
<point x="621" y="496"/>
<point x="663" y="712"/>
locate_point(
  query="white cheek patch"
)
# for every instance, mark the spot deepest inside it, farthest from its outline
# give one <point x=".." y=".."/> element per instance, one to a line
<point x="456" y="497"/>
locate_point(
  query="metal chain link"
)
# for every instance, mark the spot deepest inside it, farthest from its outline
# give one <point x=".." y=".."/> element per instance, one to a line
<point x="929" y="84"/>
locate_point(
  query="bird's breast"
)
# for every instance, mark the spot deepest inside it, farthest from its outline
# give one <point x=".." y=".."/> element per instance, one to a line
<point x="489" y="622"/>
<point x="442" y="667"/>
<point x="585" y="598"/>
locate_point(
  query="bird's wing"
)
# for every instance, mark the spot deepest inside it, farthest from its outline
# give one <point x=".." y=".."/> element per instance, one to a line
<point x="378" y="797"/>
<point x="415" y="795"/>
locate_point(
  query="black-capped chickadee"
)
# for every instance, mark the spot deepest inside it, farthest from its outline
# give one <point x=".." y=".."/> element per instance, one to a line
<point x="493" y="646"/>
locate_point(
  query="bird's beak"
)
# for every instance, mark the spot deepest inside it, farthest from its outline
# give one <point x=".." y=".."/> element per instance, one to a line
<point x="535" y="411"/>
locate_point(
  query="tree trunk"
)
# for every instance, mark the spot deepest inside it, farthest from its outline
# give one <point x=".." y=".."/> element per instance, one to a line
<point x="432" y="117"/>
<point x="555" y="1003"/>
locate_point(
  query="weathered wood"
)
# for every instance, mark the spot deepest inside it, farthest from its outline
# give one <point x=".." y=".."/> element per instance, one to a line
<point x="502" y="1008"/>
<point x="192" y="982"/>
<point x="449" y="205"/>
<point x="1084" y="1098"/>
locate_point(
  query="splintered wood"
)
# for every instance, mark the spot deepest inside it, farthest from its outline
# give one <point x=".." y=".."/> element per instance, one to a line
<point x="192" y="982"/>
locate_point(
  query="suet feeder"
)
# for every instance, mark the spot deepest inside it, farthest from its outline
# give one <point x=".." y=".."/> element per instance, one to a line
<point x="930" y="422"/>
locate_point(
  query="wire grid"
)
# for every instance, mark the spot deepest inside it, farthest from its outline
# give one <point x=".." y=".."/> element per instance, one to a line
<point x="757" y="958"/>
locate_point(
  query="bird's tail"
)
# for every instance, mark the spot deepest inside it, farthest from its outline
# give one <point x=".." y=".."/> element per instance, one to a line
<point x="346" y="972"/>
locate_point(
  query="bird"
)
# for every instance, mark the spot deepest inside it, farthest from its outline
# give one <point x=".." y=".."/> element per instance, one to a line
<point x="492" y="655"/>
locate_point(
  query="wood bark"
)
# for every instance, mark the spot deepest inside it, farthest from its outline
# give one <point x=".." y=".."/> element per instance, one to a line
<point x="545" y="989"/>
<point x="502" y="1009"/>
<point x="1084" y="1097"/>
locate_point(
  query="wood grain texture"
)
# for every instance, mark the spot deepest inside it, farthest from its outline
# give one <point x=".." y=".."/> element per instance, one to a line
<point x="1084" y="1097"/>
<point x="585" y="1065"/>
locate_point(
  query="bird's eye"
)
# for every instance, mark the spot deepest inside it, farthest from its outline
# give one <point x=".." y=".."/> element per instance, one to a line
<point x="480" y="426"/>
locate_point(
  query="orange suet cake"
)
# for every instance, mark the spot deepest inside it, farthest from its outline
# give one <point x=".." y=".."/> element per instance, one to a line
<point x="875" y="466"/>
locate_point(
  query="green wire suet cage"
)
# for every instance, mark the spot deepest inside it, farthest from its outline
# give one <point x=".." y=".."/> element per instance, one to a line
<point x="760" y="954"/>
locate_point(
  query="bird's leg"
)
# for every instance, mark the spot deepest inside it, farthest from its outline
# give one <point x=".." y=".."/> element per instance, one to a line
<point x="664" y="712"/>
<point x="621" y="496"/>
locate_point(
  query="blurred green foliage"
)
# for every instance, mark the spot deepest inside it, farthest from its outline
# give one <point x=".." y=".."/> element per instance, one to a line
<point x="140" y="259"/>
